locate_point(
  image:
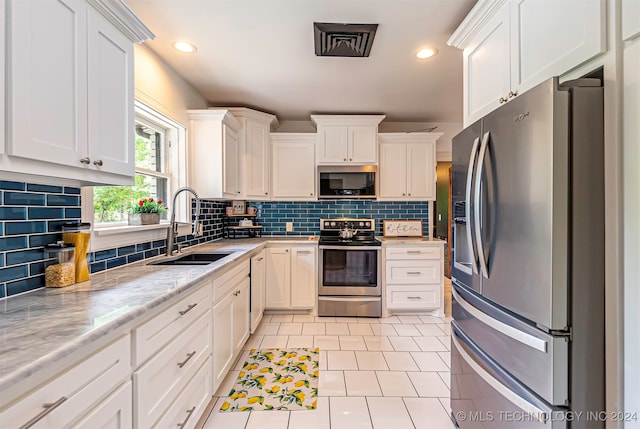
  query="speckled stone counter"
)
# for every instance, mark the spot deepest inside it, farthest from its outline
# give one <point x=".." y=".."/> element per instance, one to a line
<point x="41" y="327"/>
<point x="410" y="240"/>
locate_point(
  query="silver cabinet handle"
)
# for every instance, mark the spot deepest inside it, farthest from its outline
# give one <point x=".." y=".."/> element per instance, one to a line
<point x="503" y="100"/>
<point x="304" y="252"/>
<point x="189" y="413"/>
<point x="260" y="259"/>
<point x="86" y="160"/>
<point x="414" y="272"/>
<point x="414" y="297"/>
<point x="48" y="407"/>
<point x="98" y="163"/>
<point x="189" y="356"/>
<point x="414" y="251"/>
<point x="188" y="309"/>
<point x="512" y="94"/>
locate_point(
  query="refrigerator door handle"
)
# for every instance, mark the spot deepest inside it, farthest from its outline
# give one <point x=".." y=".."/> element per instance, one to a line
<point x="511" y="396"/>
<point x="503" y="328"/>
<point x="472" y="160"/>
<point x="476" y="204"/>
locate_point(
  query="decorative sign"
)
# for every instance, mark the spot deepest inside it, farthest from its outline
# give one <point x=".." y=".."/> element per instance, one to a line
<point x="402" y="228"/>
<point x="238" y="207"/>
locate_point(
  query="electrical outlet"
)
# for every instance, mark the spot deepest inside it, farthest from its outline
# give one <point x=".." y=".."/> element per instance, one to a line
<point x="289" y="226"/>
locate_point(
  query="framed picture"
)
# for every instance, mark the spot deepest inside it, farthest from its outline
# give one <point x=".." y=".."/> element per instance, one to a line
<point x="402" y="228"/>
<point x="238" y="207"/>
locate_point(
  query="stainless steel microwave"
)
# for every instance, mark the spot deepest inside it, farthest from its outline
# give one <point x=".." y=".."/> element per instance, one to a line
<point x="346" y="181"/>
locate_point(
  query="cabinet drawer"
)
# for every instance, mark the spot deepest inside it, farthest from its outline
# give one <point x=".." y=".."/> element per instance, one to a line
<point x="413" y="272"/>
<point x="115" y="411"/>
<point x="413" y="252"/>
<point x="74" y="392"/>
<point x="223" y="284"/>
<point x="413" y="297"/>
<point x="152" y="335"/>
<point x="158" y="382"/>
<point x="186" y="410"/>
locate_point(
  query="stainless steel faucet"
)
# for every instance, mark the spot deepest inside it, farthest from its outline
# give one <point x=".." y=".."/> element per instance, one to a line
<point x="172" y="232"/>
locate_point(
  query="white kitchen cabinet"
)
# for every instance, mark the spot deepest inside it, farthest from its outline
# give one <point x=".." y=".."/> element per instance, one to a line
<point x="159" y="381"/>
<point x="630" y="19"/>
<point x="215" y="158"/>
<point x="407" y="166"/>
<point x="230" y="319"/>
<point x="258" y="283"/>
<point x="291" y="277"/>
<point x="414" y="277"/>
<point x="347" y="139"/>
<point x="293" y="166"/>
<point x="255" y="140"/>
<point x="70" y="90"/>
<point x="115" y="412"/>
<point x="73" y="393"/>
<point x="511" y="46"/>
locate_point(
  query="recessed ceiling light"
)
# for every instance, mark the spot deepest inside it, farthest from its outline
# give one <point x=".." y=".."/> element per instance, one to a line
<point x="426" y="53"/>
<point x="185" y="47"/>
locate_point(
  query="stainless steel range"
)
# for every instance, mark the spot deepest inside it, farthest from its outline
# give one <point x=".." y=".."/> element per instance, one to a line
<point x="350" y="268"/>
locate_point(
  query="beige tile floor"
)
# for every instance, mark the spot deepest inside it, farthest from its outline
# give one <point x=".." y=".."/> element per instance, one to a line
<point x="390" y="373"/>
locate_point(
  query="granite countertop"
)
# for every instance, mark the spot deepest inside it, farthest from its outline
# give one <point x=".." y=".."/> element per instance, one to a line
<point x="43" y="326"/>
<point x="410" y="240"/>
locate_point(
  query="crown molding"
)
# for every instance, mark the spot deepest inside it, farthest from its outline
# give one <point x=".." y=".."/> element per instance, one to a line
<point x="119" y="14"/>
<point x="256" y="115"/>
<point x="223" y="115"/>
<point x="482" y="12"/>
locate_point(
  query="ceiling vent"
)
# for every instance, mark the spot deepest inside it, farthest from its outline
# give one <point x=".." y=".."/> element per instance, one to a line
<point x="343" y="40"/>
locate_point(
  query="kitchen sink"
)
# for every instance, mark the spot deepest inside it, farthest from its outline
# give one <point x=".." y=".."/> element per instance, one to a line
<point x="191" y="259"/>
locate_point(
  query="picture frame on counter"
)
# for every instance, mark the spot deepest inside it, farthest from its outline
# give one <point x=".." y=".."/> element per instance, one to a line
<point x="238" y="206"/>
<point x="402" y="228"/>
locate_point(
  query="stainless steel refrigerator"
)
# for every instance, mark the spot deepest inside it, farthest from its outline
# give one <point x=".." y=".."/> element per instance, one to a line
<point x="527" y="340"/>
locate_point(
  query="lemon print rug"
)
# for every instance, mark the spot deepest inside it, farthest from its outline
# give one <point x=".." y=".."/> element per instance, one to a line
<point x="276" y="379"/>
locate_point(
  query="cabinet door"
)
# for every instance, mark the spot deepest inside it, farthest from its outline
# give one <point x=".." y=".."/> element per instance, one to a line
<point x="421" y="171"/>
<point x="549" y="38"/>
<point x="363" y="145"/>
<point x="231" y="167"/>
<point x="222" y="338"/>
<point x="293" y="171"/>
<point x="278" y="288"/>
<point x="115" y="412"/>
<point x="393" y="170"/>
<point x="304" y="276"/>
<point x="258" y="165"/>
<point x="486" y="68"/>
<point x="110" y="92"/>
<point x="332" y="145"/>
<point x="241" y="316"/>
<point x="48" y="68"/>
<point x="258" y="266"/>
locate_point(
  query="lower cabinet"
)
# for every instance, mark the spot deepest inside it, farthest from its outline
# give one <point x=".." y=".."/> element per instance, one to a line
<point x="230" y="320"/>
<point x="114" y="412"/>
<point x="414" y="280"/>
<point x="258" y="277"/>
<point x="291" y="277"/>
<point x="77" y="392"/>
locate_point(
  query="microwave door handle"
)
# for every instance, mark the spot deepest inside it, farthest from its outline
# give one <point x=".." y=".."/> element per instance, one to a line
<point x="472" y="160"/>
<point x="477" y="205"/>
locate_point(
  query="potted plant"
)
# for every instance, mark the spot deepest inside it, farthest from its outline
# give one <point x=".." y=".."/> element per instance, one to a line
<point x="146" y="212"/>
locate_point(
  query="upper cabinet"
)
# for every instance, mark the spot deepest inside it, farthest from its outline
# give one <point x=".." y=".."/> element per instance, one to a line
<point x="408" y="166"/>
<point x="70" y="90"/>
<point x="347" y="139"/>
<point x="254" y="138"/>
<point x="630" y="19"/>
<point x="293" y="166"/>
<point x="215" y="153"/>
<point x="512" y="45"/>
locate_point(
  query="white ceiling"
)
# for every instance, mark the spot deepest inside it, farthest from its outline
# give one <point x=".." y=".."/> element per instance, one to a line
<point x="260" y="53"/>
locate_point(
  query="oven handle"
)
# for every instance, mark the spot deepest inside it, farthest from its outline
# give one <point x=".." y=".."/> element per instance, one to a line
<point x="341" y="299"/>
<point x="350" y="248"/>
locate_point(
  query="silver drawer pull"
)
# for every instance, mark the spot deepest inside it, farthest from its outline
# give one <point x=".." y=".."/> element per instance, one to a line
<point x="48" y="407"/>
<point x="189" y="413"/>
<point x="414" y="272"/>
<point x="260" y="259"/>
<point x="189" y="356"/>
<point x="189" y="308"/>
<point x="414" y="297"/>
<point x="414" y="251"/>
<point x="304" y="252"/>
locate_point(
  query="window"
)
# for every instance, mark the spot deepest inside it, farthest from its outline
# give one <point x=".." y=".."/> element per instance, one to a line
<point x="160" y="169"/>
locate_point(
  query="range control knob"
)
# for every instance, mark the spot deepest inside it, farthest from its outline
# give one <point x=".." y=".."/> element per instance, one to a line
<point x="333" y="224"/>
<point x="361" y="224"/>
<point x="367" y="224"/>
<point x="326" y="224"/>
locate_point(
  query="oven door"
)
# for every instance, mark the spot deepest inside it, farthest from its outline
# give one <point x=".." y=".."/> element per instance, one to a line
<point x="350" y="270"/>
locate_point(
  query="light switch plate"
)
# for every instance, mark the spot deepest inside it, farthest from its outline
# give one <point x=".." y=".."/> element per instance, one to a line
<point x="289" y="226"/>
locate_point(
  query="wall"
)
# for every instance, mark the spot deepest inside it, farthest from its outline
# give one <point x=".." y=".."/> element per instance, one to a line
<point x="305" y="216"/>
<point x="31" y="216"/>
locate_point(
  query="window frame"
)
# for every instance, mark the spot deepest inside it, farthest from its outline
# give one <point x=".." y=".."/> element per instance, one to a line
<point x="118" y="234"/>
